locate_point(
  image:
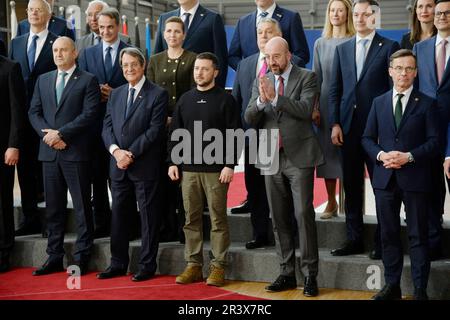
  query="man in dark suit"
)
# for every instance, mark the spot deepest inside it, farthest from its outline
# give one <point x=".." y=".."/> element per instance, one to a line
<point x="247" y="71"/>
<point x="33" y="51"/>
<point x="102" y="60"/>
<point x="288" y="108"/>
<point x="12" y="122"/>
<point x="56" y="25"/>
<point x="93" y="38"/>
<point x="205" y="32"/>
<point x="63" y="111"/>
<point x="244" y="42"/>
<point x="401" y="137"/>
<point x="434" y="80"/>
<point x="133" y="132"/>
<point x="360" y="73"/>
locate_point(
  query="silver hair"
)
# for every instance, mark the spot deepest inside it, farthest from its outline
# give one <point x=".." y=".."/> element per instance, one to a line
<point x="93" y="3"/>
<point x="272" y="21"/>
<point x="134" y="52"/>
<point x="46" y="5"/>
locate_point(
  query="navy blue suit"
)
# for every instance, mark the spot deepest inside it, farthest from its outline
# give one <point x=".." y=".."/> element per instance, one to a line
<point x="91" y="60"/>
<point x="56" y="25"/>
<point x="142" y="133"/>
<point x="350" y="101"/>
<point x="74" y="117"/>
<point x="418" y="134"/>
<point x="206" y="33"/>
<point x="2" y="48"/>
<point x="427" y="83"/>
<point x="254" y="181"/>
<point x="244" y="42"/>
<point x="29" y="170"/>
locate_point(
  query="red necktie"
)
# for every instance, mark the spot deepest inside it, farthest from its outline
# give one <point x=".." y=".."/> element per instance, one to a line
<point x="263" y="69"/>
<point x="440" y="61"/>
<point x="280" y="93"/>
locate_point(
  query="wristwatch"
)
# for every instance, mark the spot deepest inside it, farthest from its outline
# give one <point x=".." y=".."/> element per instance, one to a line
<point x="410" y="157"/>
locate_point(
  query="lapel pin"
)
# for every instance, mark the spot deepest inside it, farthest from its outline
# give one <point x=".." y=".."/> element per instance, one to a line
<point x="75" y="78"/>
<point x="380" y="44"/>
<point x="279" y="15"/>
<point x="140" y="97"/>
<point x="201" y="15"/>
<point x="416" y="99"/>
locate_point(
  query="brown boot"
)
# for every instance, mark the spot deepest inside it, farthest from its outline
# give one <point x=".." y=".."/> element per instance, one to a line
<point x="190" y="274"/>
<point x="216" y="276"/>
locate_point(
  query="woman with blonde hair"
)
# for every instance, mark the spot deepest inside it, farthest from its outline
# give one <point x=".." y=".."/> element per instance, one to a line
<point x="338" y="29"/>
<point x="422" y="23"/>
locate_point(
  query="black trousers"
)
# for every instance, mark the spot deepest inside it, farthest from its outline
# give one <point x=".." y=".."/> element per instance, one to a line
<point x="6" y="206"/>
<point x="147" y="194"/>
<point x="436" y="207"/>
<point x="100" y="176"/>
<point x="60" y="176"/>
<point x="388" y="204"/>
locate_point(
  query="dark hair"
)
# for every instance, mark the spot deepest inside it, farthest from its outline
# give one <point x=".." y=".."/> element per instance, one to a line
<point x="209" y="56"/>
<point x="402" y="53"/>
<point x="176" y="20"/>
<point x="111" y="13"/>
<point x="416" y="28"/>
<point x="370" y="2"/>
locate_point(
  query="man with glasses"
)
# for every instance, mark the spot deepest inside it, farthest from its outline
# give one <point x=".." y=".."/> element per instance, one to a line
<point x="360" y="73"/>
<point x="434" y="80"/>
<point x="401" y="137"/>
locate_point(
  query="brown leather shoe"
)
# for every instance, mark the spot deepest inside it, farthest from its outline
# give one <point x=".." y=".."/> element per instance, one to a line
<point x="216" y="276"/>
<point x="190" y="274"/>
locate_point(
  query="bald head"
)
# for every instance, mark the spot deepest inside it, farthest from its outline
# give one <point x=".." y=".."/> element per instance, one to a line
<point x="277" y="55"/>
<point x="64" y="53"/>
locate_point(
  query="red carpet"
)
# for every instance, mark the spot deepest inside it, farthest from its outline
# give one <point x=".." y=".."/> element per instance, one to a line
<point x="19" y="284"/>
<point x="237" y="192"/>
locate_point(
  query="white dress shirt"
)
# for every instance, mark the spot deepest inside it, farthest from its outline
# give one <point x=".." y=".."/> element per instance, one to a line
<point x="439" y="46"/>
<point x="368" y="44"/>
<point x="39" y="42"/>
<point x="270" y="12"/>
<point x="114" y="50"/>
<point x="67" y="78"/>
<point x="192" y="11"/>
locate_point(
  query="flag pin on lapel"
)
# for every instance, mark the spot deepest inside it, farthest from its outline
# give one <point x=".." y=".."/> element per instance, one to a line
<point x="380" y="44"/>
<point x="201" y="14"/>
<point x="75" y="78"/>
<point x="279" y="15"/>
<point x="417" y="99"/>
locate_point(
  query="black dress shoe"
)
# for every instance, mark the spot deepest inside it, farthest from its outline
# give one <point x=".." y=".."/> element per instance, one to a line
<point x="311" y="289"/>
<point x="50" y="266"/>
<point x="111" y="273"/>
<point x="244" y="207"/>
<point x="420" y="294"/>
<point x="101" y="233"/>
<point x="84" y="267"/>
<point x="282" y="283"/>
<point x="435" y="254"/>
<point x="350" y="247"/>
<point x="4" y="262"/>
<point x="27" y="229"/>
<point x="254" y="244"/>
<point x="142" y="276"/>
<point x="375" y="255"/>
<point x="389" y="292"/>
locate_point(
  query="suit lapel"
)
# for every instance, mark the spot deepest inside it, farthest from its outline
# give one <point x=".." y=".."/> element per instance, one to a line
<point x="375" y="47"/>
<point x="46" y="49"/>
<point x="52" y="89"/>
<point x="277" y="14"/>
<point x="431" y="60"/>
<point x="73" y="79"/>
<point x="139" y="98"/>
<point x="116" y="67"/>
<point x="413" y="100"/>
<point x="100" y="66"/>
<point x="292" y="81"/>
<point x="252" y="26"/>
<point x="351" y="56"/>
<point x="196" y="21"/>
<point x="446" y="73"/>
<point x="22" y="49"/>
<point x="388" y="115"/>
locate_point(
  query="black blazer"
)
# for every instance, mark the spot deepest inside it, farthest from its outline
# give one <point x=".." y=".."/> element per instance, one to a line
<point x="12" y="106"/>
<point x="142" y="132"/>
<point x="75" y="115"/>
<point x="56" y="25"/>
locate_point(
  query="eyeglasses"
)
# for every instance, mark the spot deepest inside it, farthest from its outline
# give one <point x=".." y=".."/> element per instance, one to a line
<point x="400" y="70"/>
<point x="438" y="14"/>
<point x="38" y="10"/>
<point x="132" y="65"/>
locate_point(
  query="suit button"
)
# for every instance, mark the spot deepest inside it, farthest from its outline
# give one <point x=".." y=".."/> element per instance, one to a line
<point x="396" y="139"/>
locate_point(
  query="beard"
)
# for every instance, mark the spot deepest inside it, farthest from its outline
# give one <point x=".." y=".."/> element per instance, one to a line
<point x="204" y="83"/>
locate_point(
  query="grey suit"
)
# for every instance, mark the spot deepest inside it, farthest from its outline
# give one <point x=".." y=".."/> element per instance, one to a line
<point x="290" y="189"/>
<point x="88" y="41"/>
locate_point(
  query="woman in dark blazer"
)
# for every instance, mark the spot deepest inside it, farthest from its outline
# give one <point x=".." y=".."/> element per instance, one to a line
<point x="173" y="68"/>
<point x="422" y="23"/>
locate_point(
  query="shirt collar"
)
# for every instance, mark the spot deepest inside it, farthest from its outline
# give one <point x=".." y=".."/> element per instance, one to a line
<point x="407" y="93"/>
<point x="368" y="37"/>
<point x="261" y="56"/>
<point x="269" y="10"/>
<point x="69" y="71"/>
<point x="42" y="35"/>
<point x="192" y="11"/>
<point x="285" y="74"/>
<point x="115" y="45"/>
<point x="439" y="39"/>
<point x="138" y="86"/>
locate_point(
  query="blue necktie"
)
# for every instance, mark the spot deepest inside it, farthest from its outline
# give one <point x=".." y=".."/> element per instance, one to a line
<point x="60" y="87"/>
<point x="263" y="14"/>
<point x="130" y="101"/>
<point x="187" y="15"/>
<point x="32" y="52"/>
<point x="361" y="58"/>
<point x="108" y="63"/>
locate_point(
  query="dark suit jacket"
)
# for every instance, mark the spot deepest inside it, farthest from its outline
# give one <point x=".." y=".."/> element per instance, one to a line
<point x="2" y="48"/>
<point x="406" y="43"/>
<point x="74" y="116"/>
<point x="12" y="110"/>
<point x="417" y="133"/>
<point x="427" y="83"/>
<point x="87" y="41"/>
<point x="56" y="25"/>
<point x="44" y="62"/>
<point x="142" y="132"/>
<point x="206" y="34"/>
<point x="347" y="93"/>
<point x="244" y="41"/>
<point x="292" y="116"/>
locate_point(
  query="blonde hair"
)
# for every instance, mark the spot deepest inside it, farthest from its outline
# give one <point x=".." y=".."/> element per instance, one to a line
<point x="328" y="27"/>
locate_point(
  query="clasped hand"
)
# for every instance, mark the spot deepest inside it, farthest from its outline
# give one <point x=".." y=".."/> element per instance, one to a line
<point x="53" y="140"/>
<point x="266" y="90"/>
<point x="123" y="158"/>
<point x="394" y="159"/>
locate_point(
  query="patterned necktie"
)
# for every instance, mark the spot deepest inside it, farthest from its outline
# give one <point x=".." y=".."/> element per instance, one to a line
<point x="96" y="39"/>
<point x="440" y="61"/>
<point x="261" y="16"/>
<point x="130" y="101"/>
<point x="108" y="63"/>
<point x="32" y="52"/>
<point x="60" y="87"/>
<point x="263" y="69"/>
<point x="280" y="93"/>
<point x="398" y="112"/>
<point x="187" y="15"/>
<point x="361" y="58"/>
